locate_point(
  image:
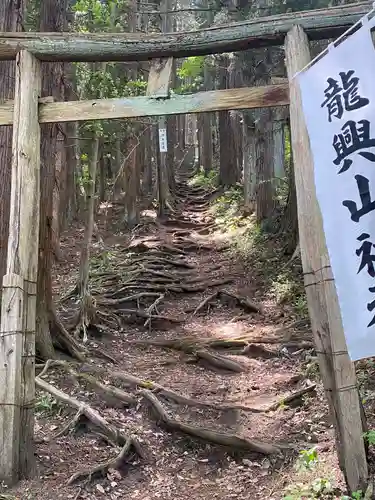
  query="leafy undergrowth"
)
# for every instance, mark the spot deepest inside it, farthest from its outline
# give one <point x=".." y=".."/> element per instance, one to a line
<point x="202" y="179"/>
<point x="262" y="251"/>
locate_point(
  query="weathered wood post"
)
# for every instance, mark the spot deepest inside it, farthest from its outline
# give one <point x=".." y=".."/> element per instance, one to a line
<point x="336" y="368"/>
<point x="17" y="331"/>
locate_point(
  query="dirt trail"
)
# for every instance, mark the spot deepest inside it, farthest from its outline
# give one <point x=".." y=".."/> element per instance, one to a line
<point x="197" y="376"/>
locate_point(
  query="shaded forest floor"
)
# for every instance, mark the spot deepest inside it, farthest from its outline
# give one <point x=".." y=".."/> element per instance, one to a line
<point x="182" y="376"/>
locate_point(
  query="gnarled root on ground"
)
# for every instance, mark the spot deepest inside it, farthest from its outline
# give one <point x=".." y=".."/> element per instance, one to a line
<point x="175" y="396"/>
<point x="86" y="316"/>
<point x="63" y="339"/>
<point x="229" y="297"/>
<point x="108" y="391"/>
<point x="189" y="346"/>
<point x="108" y="431"/>
<point x="130" y="448"/>
<point x="221" y="438"/>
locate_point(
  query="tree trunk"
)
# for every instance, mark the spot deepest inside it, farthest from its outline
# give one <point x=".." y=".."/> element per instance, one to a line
<point x="52" y="18"/>
<point x="89" y="226"/>
<point x="181" y="123"/>
<point x="59" y="188"/>
<point x="229" y="174"/>
<point x="278" y="150"/>
<point x="70" y="200"/>
<point x="147" y="174"/>
<point x="249" y="155"/>
<point x="263" y="166"/>
<point x="11" y="16"/>
<point x="132" y="184"/>
<point x="102" y="176"/>
<point x="235" y="80"/>
<point x="289" y="221"/>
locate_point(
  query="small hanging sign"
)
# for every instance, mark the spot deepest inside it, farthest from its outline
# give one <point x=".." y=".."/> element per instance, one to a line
<point x="163" y="140"/>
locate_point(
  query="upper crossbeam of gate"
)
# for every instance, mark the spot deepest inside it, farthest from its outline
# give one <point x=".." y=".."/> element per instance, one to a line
<point x="255" y="33"/>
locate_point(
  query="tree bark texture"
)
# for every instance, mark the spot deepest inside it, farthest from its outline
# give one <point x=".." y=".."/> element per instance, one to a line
<point x="229" y="174"/>
<point x="11" y="16"/>
<point x="52" y="18"/>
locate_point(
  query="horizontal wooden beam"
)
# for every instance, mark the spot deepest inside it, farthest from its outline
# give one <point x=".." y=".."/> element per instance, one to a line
<point x="201" y="102"/>
<point x="255" y="33"/>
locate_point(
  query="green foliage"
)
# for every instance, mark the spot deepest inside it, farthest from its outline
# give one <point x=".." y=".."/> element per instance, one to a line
<point x="311" y="369"/>
<point x="103" y="80"/>
<point x="192" y="67"/>
<point x="32" y="15"/>
<point x="46" y="405"/>
<point x="92" y="15"/>
<point x="191" y="72"/>
<point x="286" y="289"/>
<point x="307" y="459"/>
<point x="370" y="437"/>
<point x="356" y="495"/>
<point x="319" y="488"/>
<point x="227" y="209"/>
<point x="209" y="180"/>
<point x="102" y="262"/>
<point x="261" y="249"/>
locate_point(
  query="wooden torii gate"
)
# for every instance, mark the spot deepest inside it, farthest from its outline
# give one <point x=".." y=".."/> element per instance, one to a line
<point x="28" y="111"/>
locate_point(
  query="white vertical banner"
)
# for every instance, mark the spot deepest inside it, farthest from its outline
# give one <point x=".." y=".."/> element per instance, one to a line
<point x="163" y="147"/>
<point x="338" y="97"/>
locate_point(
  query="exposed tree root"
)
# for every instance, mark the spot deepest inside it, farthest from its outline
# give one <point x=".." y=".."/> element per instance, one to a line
<point x="130" y="448"/>
<point x="130" y="298"/>
<point x="244" y="302"/>
<point x="241" y="346"/>
<point x="226" y="296"/>
<point x="187" y="223"/>
<point x="202" y="287"/>
<point x="294" y="396"/>
<point x="101" y="353"/>
<point x="108" y="319"/>
<point x="232" y="441"/>
<point x="107" y="429"/>
<point x="220" y="362"/>
<point x="69" y="295"/>
<point x="177" y="397"/>
<point x="191" y="346"/>
<point x="258" y="351"/>
<point x="86" y="316"/>
<point x="152" y="307"/>
<point x="146" y="315"/>
<point x="64" y="340"/>
<point x="205" y="302"/>
<point x="107" y="390"/>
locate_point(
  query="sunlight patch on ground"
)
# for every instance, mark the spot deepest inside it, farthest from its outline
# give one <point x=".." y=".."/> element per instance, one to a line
<point x="229" y="330"/>
<point x="149" y="213"/>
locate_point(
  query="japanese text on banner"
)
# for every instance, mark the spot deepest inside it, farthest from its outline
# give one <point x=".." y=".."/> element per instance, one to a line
<point x="338" y="97"/>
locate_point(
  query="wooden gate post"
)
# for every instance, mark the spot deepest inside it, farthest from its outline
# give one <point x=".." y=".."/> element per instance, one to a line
<point x="17" y="331"/>
<point x="336" y="368"/>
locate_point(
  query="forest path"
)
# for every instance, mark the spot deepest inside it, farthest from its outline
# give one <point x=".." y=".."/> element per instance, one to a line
<point x="199" y="358"/>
